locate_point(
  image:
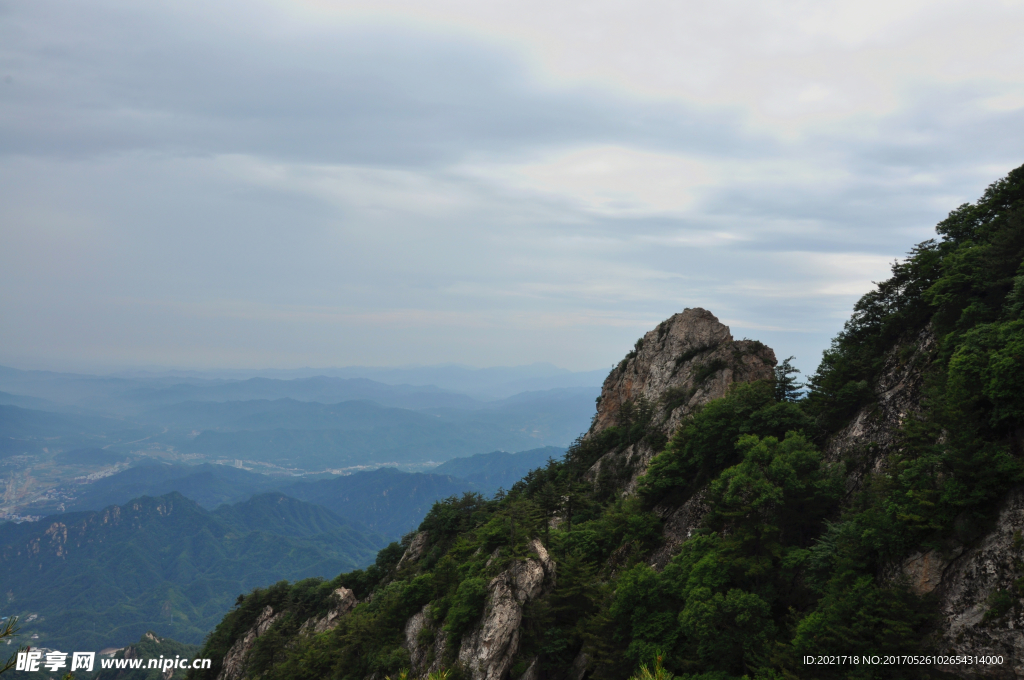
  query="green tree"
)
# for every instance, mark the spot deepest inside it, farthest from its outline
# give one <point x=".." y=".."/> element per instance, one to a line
<point x="786" y="386"/>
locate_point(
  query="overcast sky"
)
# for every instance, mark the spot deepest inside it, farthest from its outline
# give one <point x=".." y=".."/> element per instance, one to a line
<point x="315" y="183"/>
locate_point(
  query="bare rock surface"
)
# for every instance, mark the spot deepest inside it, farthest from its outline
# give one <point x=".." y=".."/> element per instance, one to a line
<point x="873" y="431"/>
<point x="487" y="651"/>
<point x="679" y="524"/>
<point x="415" y="549"/>
<point x="343" y="601"/>
<point x="424" y="658"/>
<point x="971" y="589"/>
<point x="234" y="660"/>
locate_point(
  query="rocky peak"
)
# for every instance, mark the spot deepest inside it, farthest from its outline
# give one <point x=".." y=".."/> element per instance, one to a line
<point x="688" y="360"/>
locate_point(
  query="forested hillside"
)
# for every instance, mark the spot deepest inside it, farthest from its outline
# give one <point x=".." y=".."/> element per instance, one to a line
<point x="718" y="523"/>
<point x="90" y="580"/>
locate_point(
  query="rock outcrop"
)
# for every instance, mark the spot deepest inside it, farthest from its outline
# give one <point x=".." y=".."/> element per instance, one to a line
<point x="415" y="550"/>
<point x="872" y="433"/>
<point x="233" y="667"/>
<point x="343" y="601"/>
<point x="979" y="585"/>
<point x="488" y="650"/>
<point x="980" y="598"/>
<point x="685" y="362"/>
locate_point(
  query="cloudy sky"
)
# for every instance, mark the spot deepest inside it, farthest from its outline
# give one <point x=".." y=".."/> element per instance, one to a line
<point x="325" y="183"/>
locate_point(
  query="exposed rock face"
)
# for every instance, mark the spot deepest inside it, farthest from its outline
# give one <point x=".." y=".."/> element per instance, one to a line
<point x="679" y="525"/>
<point x="234" y="661"/>
<point x="532" y="672"/>
<point x="423" y="658"/>
<point x="685" y="362"/>
<point x="872" y="433"/>
<point x="343" y="601"/>
<point x="488" y="650"/>
<point x="415" y="549"/>
<point x="966" y="579"/>
<point x="972" y="588"/>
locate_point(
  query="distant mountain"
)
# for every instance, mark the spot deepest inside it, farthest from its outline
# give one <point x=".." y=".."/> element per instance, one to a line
<point x="20" y="400"/>
<point x="490" y="471"/>
<point x="387" y="501"/>
<point x="496" y="382"/>
<point x="31" y="431"/>
<point x="384" y="501"/>
<point x="264" y="414"/>
<point x="310" y="436"/>
<point x="208" y="485"/>
<point x="132" y="396"/>
<point x="430" y="439"/>
<point x="551" y="417"/>
<point x="92" y="456"/>
<point x="99" y="579"/>
<point x="276" y="513"/>
<point x="320" y="388"/>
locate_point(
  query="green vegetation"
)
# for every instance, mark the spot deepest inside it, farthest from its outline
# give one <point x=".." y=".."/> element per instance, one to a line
<point x="790" y="555"/>
<point x="101" y="579"/>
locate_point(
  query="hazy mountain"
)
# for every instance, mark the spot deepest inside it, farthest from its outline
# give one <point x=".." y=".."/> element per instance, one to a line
<point x="496" y="382"/>
<point x="165" y="564"/>
<point x="490" y="471"/>
<point x="28" y="431"/>
<point x="132" y="396"/>
<point x="429" y="439"/>
<point x="387" y="501"/>
<point x="208" y="485"/>
<point x="263" y="414"/>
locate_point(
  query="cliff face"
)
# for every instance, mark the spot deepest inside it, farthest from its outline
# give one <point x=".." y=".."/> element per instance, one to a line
<point x="874" y="430"/>
<point x="977" y="580"/>
<point x="686" y="361"/>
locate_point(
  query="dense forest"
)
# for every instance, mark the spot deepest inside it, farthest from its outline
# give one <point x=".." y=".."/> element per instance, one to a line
<point x="807" y="530"/>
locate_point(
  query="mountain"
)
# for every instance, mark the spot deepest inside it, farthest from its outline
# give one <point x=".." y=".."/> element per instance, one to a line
<point x="100" y="579"/>
<point x="263" y="414"/>
<point x="714" y="524"/>
<point x="133" y="396"/>
<point x="24" y="430"/>
<point x="492" y="383"/>
<point x="489" y="472"/>
<point x="208" y="485"/>
<point x="386" y="501"/>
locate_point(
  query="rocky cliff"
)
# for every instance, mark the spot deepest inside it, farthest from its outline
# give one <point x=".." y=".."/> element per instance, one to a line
<point x="688" y="360"/>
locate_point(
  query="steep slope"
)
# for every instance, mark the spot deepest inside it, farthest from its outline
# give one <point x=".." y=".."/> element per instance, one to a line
<point x="713" y="524"/>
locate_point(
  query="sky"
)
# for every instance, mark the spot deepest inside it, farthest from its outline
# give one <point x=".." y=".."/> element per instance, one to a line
<point x="278" y="184"/>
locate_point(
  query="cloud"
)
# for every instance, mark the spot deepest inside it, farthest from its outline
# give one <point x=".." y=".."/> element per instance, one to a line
<point x="270" y="183"/>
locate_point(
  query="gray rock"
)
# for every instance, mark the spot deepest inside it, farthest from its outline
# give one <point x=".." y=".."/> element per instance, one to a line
<point x="234" y="661"/>
<point x="415" y="549"/>
<point x="995" y="563"/>
<point x="487" y="651"/>
<point x="343" y="601"/>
